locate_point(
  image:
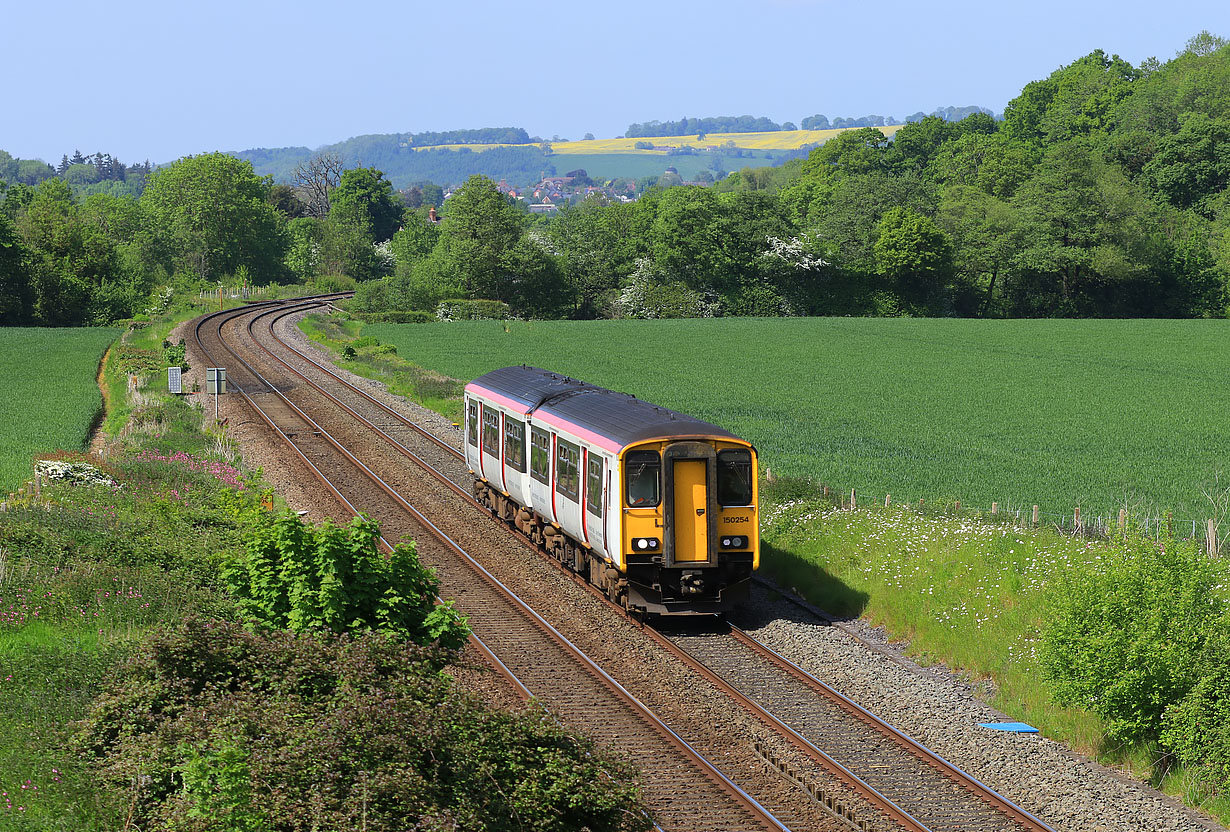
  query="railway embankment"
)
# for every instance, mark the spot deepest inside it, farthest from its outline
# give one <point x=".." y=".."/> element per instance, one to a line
<point x="966" y="599"/>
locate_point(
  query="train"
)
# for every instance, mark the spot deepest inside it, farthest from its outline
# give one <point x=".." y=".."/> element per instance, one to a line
<point x="656" y="508"/>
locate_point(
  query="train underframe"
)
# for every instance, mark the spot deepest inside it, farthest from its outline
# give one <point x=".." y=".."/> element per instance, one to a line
<point x="648" y="585"/>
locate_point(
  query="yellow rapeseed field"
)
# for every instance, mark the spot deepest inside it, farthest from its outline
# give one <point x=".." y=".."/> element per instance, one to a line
<point x="776" y="140"/>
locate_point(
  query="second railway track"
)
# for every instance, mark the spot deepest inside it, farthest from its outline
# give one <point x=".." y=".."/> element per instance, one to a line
<point x="826" y="752"/>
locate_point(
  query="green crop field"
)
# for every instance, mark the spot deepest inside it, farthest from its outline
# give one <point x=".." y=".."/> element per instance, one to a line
<point x="1100" y="414"/>
<point x="48" y="394"/>
<point x="602" y="166"/>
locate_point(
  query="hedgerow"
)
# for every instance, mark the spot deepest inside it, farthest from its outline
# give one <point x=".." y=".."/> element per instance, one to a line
<point x="215" y="727"/>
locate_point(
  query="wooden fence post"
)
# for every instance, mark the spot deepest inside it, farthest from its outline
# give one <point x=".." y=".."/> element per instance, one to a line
<point x="1122" y="518"/>
<point x="1035" y="515"/>
<point x="994" y="508"/>
<point x="853" y="500"/>
<point x="920" y="502"/>
<point x="1211" y="539"/>
<point x="888" y="499"/>
<point x="826" y="491"/>
<point x="1076" y="520"/>
<point x="958" y="506"/>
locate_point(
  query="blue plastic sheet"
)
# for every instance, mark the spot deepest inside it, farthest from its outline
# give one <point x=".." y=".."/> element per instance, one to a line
<point x="1014" y="727"/>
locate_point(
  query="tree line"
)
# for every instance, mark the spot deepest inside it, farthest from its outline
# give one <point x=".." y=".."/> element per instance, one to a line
<point x="1101" y="192"/>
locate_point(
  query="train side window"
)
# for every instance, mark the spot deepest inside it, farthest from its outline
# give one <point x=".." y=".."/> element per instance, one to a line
<point x="514" y="444"/>
<point x="491" y="431"/>
<point x="540" y="455"/>
<point x="734" y="478"/>
<point x="472" y="424"/>
<point x="643" y="478"/>
<point x="567" y="470"/>
<point x="593" y="486"/>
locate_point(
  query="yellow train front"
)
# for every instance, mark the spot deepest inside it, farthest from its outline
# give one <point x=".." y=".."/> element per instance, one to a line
<point x="652" y="505"/>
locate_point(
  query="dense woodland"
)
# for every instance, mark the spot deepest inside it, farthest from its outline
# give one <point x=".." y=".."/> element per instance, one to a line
<point x="1101" y="192"/>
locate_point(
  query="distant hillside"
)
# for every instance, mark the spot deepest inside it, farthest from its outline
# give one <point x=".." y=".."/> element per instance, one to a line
<point x="752" y="124"/>
<point x="404" y="163"/>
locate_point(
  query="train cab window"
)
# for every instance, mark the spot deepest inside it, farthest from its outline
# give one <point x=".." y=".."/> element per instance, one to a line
<point x="514" y="444"/>
<point x="491" y="431"/>
<point x="593" y="486"/>
<point x="540" y="455"/>
<point x="567" y="470"/>
<point x="643" y="475"/>
<point x="734" y="478"/>
<point x="472" y="424"/>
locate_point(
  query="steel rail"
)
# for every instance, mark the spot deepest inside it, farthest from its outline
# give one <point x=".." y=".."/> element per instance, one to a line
<point x="851" y="780"/>
<point x="706" y="768"/>
<point x="954" y="773"/>
<point x="943" y="766"/>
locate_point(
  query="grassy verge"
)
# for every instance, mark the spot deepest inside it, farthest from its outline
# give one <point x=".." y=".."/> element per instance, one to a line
<point x="965" y="592"/>
<point x="368" y="357"/>
<point x="85" y="572"/>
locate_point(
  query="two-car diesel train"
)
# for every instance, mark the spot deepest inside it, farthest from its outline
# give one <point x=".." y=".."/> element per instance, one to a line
<point x="655" y="507"/>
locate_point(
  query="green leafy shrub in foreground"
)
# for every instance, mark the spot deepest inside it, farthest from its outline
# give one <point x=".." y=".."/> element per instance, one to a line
<point x="295" y="576"/>
<point x="226" y="729"/>
<point x="1130" y="634"/>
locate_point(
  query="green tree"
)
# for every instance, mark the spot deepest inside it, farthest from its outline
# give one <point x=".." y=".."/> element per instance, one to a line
<point x="915" y="255"/>
<point x="365" y="197"/>
<point x="597" y="249"/>
<point x="16" y="294"/>
<point x="1192" y="166"/>
<point x="993" y="163"/>
<point x="76" y="269"/>
<point x="853" y="152"/>
<point x="414" y="241"/>
<point x="479" y="230"/>
<point x="1087" y="239"/>
<point x="983" y="231"/>
<point x="214" y="212"/>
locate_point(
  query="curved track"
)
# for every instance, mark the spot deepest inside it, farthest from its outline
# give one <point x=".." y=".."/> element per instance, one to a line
<point x="685" y="790"/>
<point x="903" y="784"/>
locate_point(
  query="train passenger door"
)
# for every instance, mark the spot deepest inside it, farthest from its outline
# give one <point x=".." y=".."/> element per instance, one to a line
<point x="691" y="521"/>
<point x="595" y="502"/>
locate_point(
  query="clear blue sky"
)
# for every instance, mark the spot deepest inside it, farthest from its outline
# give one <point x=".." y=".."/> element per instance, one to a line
<point x="139" y="79"/>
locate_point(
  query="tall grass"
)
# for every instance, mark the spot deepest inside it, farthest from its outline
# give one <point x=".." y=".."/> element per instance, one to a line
<point x="85" y="572"/>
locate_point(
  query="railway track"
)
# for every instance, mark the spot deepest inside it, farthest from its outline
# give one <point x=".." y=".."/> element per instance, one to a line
<point x="838" y="748"/>
<point x="685" y="789"/>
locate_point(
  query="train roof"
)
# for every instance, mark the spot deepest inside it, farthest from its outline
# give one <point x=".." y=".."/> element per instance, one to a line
<point x="620" y="417"/>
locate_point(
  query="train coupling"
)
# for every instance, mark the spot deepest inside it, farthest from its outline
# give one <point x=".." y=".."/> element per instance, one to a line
<point x="692" y="583"/>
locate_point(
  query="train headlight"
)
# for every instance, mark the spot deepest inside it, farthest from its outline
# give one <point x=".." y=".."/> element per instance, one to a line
<point x="734" y="542"/>
<point x="645" y="544"/>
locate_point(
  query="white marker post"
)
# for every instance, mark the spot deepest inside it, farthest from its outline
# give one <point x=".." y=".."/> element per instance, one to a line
<point x="215" y="382"/>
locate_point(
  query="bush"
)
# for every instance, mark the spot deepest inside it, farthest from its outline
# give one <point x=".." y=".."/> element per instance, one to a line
<point x="461" y="309"/>
<point x="332" y="283"/>
<point x="414" y="316"/>
<point x="1197" y="730"/>
<point x="327" y="577"/>
<point x="1128" y="631"/>
<point x="211" y="726"/>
